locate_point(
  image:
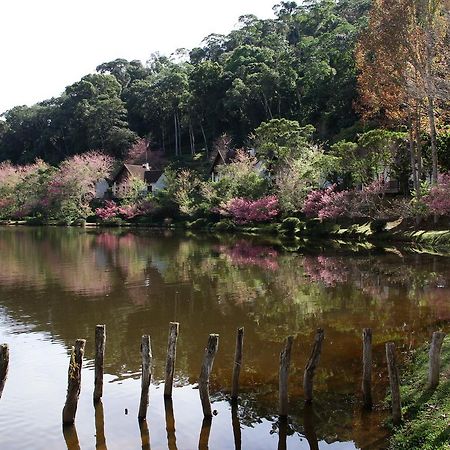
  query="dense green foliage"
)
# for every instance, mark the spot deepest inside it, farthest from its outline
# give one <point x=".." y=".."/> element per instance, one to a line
<point x="299" y="66"/>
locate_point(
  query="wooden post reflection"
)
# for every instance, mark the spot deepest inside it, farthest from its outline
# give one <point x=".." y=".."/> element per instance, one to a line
<point x="170" y="424"/>
<point x="204" y="434"/>
<point x="100" y="439"/>
<point x="282" y="433"/>
<point x="236" y="426"/>
<point x="309" y="428"/>
<point x="71" y="437"/>
<point x="145" y="435"/>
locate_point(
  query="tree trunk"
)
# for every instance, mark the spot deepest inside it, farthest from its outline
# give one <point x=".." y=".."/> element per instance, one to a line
<point x="412" y="154"/>
<point x="432" y="124"/>
<point x="175" y="132"/>
<point x="204" y="140"/>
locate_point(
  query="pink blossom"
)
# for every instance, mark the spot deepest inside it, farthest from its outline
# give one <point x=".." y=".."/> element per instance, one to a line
<point x="438" y="199"/>
<point x="109" y="211"/>
<point x="244" y="211"/>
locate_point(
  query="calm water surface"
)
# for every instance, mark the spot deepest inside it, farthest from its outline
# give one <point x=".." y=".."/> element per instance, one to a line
<point x="57" y="284"/>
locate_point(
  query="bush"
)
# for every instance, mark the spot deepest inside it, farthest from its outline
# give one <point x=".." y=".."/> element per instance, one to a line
<point x="224" y="225"/>
<point x="244" y="211"/>
<point x="198" y="224"/>
<point x="292" y="225"/>
<point x="317" y="227"/>
<point x="378" y="226"/>
<point x="34" y="221"/>
<point x="113" y="222"/>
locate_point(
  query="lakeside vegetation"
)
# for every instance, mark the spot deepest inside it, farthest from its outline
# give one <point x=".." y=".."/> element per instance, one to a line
<point x="326" y="112"/>
<point x="427" y="412"/>
<point x="332" y="98"/>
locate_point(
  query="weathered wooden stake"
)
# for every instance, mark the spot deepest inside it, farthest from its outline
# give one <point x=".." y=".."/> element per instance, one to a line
<point x="146" y="353"/>
<point x="171" y="357"/>
<point x="4" y="363"/>
<point x="308" y="376"/>
<point x="394" y="382"/>
<point x="367" y="368"/>
<point x="237" y="364"/>
<point x="74" y="382"/>
<point x="435" y="359"/>
<point x="100" y="341"/>
<point x="285" y="361"/>
<point x="207" y="365"/>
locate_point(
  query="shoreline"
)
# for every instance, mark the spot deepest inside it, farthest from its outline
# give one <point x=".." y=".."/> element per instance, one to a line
<point x="426" y="412"/>
<point x="314" y="231"/>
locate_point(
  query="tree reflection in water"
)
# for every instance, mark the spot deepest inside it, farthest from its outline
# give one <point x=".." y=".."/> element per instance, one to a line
<point x="65" y="281"/>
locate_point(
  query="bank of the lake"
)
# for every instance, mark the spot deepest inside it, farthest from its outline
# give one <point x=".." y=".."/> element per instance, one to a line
<point x="293" y="232"/>
<point x="426" y="412"/>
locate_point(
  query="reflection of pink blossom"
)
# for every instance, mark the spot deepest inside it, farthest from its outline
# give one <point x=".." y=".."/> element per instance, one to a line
<point x="327" y="270"/>
<point x="243" y="253"/>
<point x="108" y="241"/>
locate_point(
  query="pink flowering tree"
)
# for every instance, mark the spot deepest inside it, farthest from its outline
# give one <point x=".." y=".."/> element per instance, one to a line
<point x="72" y="187"/>
<point x="245" y="211"/>
<point x="112" y="210"/>
<point x="327" y="203"/>
<point x="438" y="199"/>
<point x="330" y="203"/>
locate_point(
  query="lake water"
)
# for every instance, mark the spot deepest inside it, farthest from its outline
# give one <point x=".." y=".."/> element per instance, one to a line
<point x="56" y="284"/>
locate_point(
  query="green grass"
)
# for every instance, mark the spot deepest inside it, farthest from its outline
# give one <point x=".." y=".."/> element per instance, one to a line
<point x="426" y="413"/>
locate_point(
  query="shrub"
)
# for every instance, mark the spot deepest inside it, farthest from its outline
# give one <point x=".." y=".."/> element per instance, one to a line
<point x="438" y="199"/>
<point x="224" y="225"/>
<point x="245" y="211"/>
<point x="292" y="225"/>
<point x="327" y="203"/>
<point x="378" y="226"/>
<point x="198" y="224"/>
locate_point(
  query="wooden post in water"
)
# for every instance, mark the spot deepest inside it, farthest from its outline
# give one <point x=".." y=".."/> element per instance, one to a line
<point x="394" y="382"/>
<point x="171" y="357"/>
<point x="4" y="363"/>
<point x="74" y="382"/>
<point x="285" y="361"/>
<point x="100" y="341"/>
<point x="146" y="353"/>
<point x="207" y="365"/>
<point x="435" y="359"/>
<point x="308" y="376"/>
<point x="237" y="365"/>
<point x="367" y="368"/>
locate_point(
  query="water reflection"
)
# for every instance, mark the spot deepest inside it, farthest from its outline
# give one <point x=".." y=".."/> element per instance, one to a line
<point x="71" y="437"/>
<point x="100" y="440"/>
<point x="145" y="435"/>
<point x="65" y="281"/>
<point x="236" y="426"/>
<point x="203" y="442"/>
<point x="170" y="424"/>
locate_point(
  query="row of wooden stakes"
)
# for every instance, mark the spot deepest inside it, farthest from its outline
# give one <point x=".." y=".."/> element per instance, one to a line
<point x="76" y="361"/>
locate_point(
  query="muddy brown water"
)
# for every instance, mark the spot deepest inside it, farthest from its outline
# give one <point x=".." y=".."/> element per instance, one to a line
<point x="56" y="284"/>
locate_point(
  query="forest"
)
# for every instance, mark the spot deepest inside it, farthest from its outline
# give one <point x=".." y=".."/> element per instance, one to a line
<point x="337" y="98"/>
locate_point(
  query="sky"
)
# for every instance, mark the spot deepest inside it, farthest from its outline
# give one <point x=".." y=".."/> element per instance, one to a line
<point x="46" y="45"/>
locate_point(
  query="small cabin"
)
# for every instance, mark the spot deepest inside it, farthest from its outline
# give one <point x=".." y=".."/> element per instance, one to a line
<point x="153" y="179"/>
